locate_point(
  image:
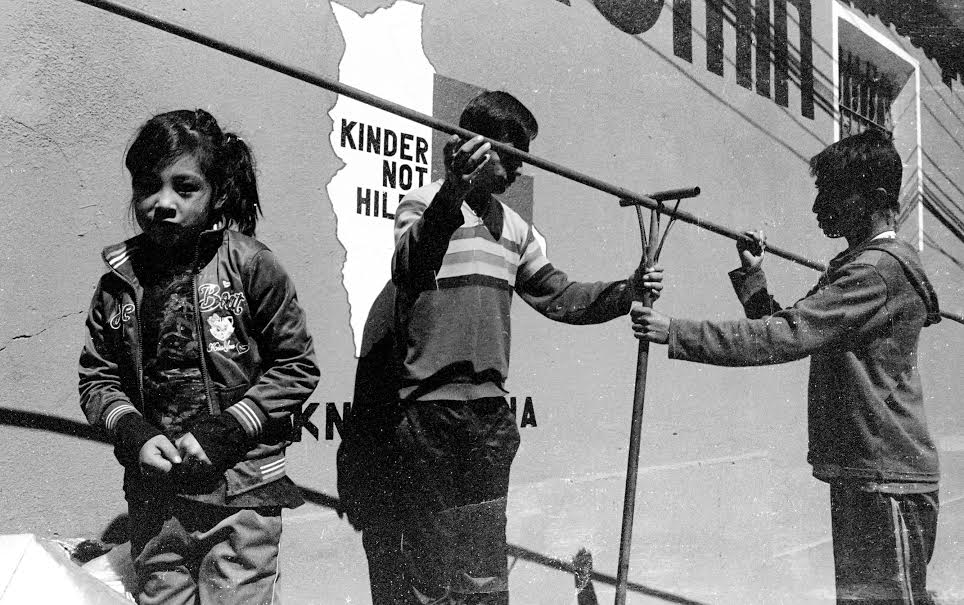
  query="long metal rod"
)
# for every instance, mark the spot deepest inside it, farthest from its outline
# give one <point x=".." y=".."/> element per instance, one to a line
<point x="626" y="196"/>
<point x="426" y="120"/>
<point x="635" y="432"/>
<point x="632" y="471"/>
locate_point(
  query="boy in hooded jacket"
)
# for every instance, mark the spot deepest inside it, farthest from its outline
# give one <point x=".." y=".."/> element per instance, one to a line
<point x="860" y="326"/>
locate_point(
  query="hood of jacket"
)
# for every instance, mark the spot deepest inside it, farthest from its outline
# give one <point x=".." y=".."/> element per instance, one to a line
<point x="905" y="254"/>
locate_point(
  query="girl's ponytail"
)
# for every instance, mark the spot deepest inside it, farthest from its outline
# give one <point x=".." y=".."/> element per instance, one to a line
<point x="239" y="188"/>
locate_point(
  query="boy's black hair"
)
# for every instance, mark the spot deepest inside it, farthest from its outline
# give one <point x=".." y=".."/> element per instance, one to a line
<point x="224" y="158"/>
<point x="862" y="162"/>
<point x="497" y="115"/>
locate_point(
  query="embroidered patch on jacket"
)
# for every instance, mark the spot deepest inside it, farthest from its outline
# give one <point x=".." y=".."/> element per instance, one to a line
<point x="122" y="315"/>
<point x="222" y="328"/>
<point x="212" y="298"/>
<point x="226" y="305"/>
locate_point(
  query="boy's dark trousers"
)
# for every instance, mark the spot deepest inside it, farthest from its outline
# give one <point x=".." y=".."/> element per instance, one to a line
<point x="386" y="567"/>
<point x="187" y="552"/>
<point x="882" y="544"/>
<point x="456" y="457"/>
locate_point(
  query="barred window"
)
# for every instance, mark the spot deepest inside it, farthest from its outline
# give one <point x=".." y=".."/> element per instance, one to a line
<point x="865" y="95"/>
<point x="878" y="86"/>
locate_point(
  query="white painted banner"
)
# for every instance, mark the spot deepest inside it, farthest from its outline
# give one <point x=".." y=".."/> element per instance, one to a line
<point x="384" y="156"/>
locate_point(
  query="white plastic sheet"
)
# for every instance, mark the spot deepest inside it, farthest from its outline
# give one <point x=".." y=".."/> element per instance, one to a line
<point x="38" y="571"/>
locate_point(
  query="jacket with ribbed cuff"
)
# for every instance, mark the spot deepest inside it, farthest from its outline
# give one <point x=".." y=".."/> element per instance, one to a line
<point x="257" y="358"/>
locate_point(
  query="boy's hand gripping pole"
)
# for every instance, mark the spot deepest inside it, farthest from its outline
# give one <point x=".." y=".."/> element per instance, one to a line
<point x="652" y="246"/>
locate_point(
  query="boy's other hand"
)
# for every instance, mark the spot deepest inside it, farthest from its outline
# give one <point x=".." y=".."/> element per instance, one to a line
<point x="751" y="252"/>
<point x="158" y="456"/>
<point x="649" y="325"/>
<point x="647" y="280"/>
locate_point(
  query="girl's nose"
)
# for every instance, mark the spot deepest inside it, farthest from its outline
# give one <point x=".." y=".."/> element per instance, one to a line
<point x="164" y="204"/>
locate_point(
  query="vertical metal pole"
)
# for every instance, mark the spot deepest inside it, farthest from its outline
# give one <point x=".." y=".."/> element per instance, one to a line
<point x="632" y="467"/>
<point x="636" y="427"/>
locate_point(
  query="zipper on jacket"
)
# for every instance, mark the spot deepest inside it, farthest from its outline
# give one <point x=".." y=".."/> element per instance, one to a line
<point x="139" y="354"/>
<point x="200" y="332"/>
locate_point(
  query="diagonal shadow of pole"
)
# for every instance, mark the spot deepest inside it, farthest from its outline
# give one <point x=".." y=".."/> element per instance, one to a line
<point x="519" y="552"/>
<point x="53" y="424"/>
<point x="534" y="557"/>
<point x="81" y="430"/>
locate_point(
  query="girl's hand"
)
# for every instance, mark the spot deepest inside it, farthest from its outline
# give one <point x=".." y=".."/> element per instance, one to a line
<point x="751" y="253"/>
<point x="649" y="325"/>
<point x="192" y="452"/>
<point x="158" y="456"/>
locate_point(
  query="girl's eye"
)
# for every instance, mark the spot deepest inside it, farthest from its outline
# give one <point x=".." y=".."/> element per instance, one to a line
<point x="186" y="189"/>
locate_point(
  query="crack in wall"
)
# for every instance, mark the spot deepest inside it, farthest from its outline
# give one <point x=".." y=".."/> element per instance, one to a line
<point x="57" y="145"/>
<point x="41" y="331"/>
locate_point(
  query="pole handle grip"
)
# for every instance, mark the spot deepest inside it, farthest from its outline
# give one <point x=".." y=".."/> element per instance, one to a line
<point x="663" y="196"/>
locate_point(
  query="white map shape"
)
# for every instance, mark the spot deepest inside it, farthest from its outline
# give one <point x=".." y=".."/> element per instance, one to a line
<point x="383" y="56"/>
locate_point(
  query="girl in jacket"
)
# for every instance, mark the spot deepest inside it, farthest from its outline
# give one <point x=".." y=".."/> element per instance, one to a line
<point x="196" y="359"/>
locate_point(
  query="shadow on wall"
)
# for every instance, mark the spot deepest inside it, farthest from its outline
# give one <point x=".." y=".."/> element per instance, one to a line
<point x="116" y="531"/>
<point x="580" y="567"/>
<point x="53" y="424"/>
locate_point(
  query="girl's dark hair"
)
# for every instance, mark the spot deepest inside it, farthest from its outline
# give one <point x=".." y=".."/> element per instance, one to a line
<point x="500" y="116"/>
<point x="224" y="158"/>
<point x="862" y="162"/>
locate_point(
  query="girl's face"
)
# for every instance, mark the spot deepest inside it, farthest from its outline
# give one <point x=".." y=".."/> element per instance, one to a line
<point x="173" y="206"/>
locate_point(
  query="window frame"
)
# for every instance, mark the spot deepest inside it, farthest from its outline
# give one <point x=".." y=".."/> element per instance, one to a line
<point x="844" y="13"/>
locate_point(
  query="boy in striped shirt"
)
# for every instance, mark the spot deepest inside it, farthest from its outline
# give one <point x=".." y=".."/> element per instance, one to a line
<point x="460" y="254"/>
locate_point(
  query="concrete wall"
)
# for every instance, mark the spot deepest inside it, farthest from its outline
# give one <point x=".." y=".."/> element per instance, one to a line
<point x="727" y="510"/>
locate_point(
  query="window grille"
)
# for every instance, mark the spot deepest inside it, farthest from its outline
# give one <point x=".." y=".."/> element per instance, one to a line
<point x="865" y="96"/>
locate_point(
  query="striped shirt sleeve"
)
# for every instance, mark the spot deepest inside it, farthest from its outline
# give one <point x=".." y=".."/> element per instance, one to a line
<point x="409" y="210"/>
<point x="549" y="290"/>
<point x="532" y="258"/>
<point x="424" y="225"/>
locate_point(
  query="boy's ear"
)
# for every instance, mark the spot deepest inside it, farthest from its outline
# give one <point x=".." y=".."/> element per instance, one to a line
<point x="881" y="196"/>
<point x="219" y="202"/>
<point x="883" y="200"/>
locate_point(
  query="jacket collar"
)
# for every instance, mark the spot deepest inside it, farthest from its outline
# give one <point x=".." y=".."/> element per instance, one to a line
<point x="118" y="257"/>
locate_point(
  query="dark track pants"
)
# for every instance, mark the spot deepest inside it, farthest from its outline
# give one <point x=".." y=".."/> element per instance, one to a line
<point x="882" y="544"/>
<point x="455" y="462"/>
<point x="386" y="565"/>
<point x="186" y="552"/>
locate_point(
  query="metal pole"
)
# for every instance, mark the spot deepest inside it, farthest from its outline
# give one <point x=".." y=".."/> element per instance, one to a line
<point x="629" y="197"/>
<point x="632" y="467"/>
<point x="651" y="245"/>
<point x="626" y="196"/>
<point x="361" y="96"/>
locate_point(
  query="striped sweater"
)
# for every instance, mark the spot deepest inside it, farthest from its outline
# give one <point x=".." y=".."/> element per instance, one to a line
<point x="455" y="273"/>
